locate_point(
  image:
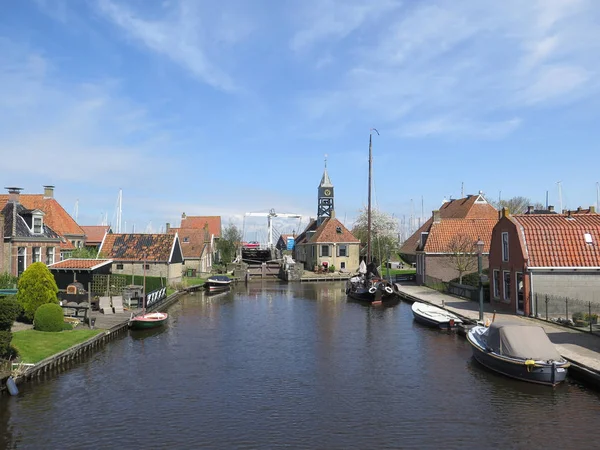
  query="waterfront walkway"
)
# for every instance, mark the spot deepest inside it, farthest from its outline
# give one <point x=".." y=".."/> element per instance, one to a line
<point x="579" y="347"/>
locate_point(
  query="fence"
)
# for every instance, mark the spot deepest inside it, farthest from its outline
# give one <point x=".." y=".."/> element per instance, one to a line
<point x="113" y="284"/>
<point x="572" y="312"/>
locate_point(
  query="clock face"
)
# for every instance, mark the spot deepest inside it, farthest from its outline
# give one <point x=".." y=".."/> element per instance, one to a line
<point x="327" y="192"/>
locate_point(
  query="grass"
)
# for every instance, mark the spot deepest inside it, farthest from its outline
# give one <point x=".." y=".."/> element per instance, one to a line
<point x="383" y="271"/>
<point x="193" y="281"/>
<point x="34" y="346"/>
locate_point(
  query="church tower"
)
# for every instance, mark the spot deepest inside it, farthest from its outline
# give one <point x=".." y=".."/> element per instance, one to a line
<point x="325" y="209"/>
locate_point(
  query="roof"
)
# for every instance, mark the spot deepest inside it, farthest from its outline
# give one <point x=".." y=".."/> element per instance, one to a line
<point x="325" y="181"/>
<point x="442" y="234"/>
<point x="332" y="230"/>
<point x="138" y="247"/>
<point x="192" y="241"/>
<point x="559" y="240"/>
<point x="80" y="264"/>
<point x="198" y="222"/>
<point x="303" y="237"/>
<point x="22" y="230"/>
<point x="469" y="207"/>
<point x="95" y="233"/>
<point x="56" y="217"/>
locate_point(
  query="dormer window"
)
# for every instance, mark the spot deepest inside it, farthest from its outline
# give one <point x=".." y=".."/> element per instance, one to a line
<point x="588" y="238"/>
<point x="338" y="229"/>
<point x="38" y="224"/>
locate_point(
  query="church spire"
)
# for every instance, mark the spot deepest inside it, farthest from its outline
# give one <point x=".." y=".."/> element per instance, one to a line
<point x="325" y="208"/>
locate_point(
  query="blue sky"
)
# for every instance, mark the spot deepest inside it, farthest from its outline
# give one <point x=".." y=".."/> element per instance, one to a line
<point x="222" y="108"/>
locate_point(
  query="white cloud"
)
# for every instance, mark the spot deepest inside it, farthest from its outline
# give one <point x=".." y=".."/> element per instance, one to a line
<point x="178" y="35"/>
<point x="463" y="68"/>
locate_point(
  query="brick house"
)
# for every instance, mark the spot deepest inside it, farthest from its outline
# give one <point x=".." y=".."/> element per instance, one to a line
<point x="26" y="236"/>
<point x="55" y="216"/>
<point x="156" y="255"/>
<point x="449" y="231"/>
<point x="94" y="235"/>
<point x="326" y="241"/>
<point x="556" y="254"/>
<point x="196" y="245"/>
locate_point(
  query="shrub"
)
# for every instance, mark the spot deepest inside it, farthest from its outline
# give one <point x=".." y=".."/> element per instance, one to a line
<point x="36" y="287"/>
<point x="5" y="347"/>
<point x="9" y="311"/>
<point x="7" y="281"/>
<point x="49" y="317"/>
<point x="593" y="318"/>
<point x="578" y="316"/>
<point x="332" y="268"/>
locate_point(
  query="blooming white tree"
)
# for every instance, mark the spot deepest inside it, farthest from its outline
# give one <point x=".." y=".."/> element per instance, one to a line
<point x="384" y="233"/>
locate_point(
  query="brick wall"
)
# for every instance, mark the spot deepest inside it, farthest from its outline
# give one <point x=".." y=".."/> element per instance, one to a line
<point x="11" y="252"/>
<point x="172" y="272"/>
<point x="441" y="267"/>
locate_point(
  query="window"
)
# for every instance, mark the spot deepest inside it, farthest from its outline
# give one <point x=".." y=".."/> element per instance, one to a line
<point x="338" y="229"/>
<point x="49" y="255"/>
<point x="324" y="250"/>
<point x="504" y="246"/>
<point x="37" y="225"/>
<point x="147" y="267"/>
<point x="506" y="285"/>
<point x="37" y="254"/>
<point x="186" y="239"/>
<point x="342" y="250"/>
<point x="119" y="266"/>
<point x="343" y="265"/>
<point x="496" y="283"/>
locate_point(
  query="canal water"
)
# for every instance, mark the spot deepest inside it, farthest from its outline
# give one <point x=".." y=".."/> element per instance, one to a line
<point x="297" y="366"/>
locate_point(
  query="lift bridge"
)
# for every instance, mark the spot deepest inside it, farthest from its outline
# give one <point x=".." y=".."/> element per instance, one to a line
<point x="263" y="258"/>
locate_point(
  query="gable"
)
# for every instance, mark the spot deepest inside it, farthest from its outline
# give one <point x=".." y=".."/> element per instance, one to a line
<point x="199" y="222"/>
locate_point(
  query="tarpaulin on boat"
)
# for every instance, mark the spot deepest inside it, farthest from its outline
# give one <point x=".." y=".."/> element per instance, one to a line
<point x="521" y="341"/>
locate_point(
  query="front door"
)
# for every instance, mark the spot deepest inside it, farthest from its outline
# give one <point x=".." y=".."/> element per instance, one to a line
<point x="520" y="292"/>
<point x="21" y="261"/>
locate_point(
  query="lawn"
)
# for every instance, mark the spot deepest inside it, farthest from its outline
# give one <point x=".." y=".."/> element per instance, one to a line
<point x="33" y="346"/>
<point x="383" y="271"/>
<point x="193" y="281"/>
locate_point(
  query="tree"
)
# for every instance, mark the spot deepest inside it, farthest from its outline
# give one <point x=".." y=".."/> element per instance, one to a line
<point x="36" y="287"/>
<point x="85" y="253"/>
<point x="384" y="232"/>
<point x="517" y="205"/>
<point x="463" y="255"/>
<point x="229" y="242"/>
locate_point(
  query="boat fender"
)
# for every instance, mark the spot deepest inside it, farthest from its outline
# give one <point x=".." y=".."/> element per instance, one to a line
<point x="530" y="363"/>
<point x="389" y="290"/>
<point x="12" y="386"/>
<point x="451" y="323"/>
<point x="372" y="289"/>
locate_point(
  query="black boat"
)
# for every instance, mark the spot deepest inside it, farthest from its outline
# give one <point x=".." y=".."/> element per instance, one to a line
<point x="368" y="286"/>
<point x="217" y="283"/>
<point x="519" y="351"/>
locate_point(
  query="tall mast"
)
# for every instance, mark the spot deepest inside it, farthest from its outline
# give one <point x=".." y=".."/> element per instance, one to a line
<point x="560" y="196"/>
<point x="597" y="197"/>
<point x="369" y="194"/>
<point x="119" y="210"/>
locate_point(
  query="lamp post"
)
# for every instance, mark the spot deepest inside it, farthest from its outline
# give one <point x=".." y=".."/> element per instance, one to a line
<point x="480" y="245"/>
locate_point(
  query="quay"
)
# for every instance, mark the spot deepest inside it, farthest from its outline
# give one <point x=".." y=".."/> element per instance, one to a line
<point x="113" y="325"/>
<point x="581" y="349"/>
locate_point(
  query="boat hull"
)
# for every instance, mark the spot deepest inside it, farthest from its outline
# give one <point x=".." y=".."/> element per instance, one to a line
<point x="375" y="295"/>
<point x="444" y="323"/>
<point x="540" y="373"/>
<point x="147" y="321"/>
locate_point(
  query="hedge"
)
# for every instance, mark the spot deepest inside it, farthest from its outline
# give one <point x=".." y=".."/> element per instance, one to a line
<point x="48" y="317"/>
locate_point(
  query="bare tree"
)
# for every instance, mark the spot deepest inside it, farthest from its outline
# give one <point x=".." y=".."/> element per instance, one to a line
<point x="463" y="254"/>
<point x="517" y="205"/>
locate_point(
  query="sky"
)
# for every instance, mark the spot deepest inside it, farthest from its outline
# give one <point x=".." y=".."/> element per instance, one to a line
<point x="223" y="108"/>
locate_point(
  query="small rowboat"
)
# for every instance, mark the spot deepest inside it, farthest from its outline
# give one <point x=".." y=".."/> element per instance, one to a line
<point x="149" y="320"/>
<point x="433" y="316"/>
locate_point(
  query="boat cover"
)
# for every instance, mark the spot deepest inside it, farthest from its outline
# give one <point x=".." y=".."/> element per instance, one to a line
<point x="521" y="341"/>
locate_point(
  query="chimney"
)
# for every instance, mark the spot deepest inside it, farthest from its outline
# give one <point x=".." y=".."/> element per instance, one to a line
<point x="505" y="212"/>
<point x="333" y="213"/>
<point x="592" y="210"/>
<point x="579" y="209"/>
<point x="48" y="191"/>
<point x="167" y="227"/>
<point x="436" y="216"/>
<point x="183" y="216"/>
<point x="551" y="208"/>
<point x="14" y="194"/>
<point x="530" y="209"/>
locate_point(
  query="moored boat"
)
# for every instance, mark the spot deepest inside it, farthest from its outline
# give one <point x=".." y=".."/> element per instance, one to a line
<point x="148" y="320"/>
<point x="519" y="351"/>
<point x="371" y="291"/>
<point x="217" y="283"/>
<point x="434" y="316"/>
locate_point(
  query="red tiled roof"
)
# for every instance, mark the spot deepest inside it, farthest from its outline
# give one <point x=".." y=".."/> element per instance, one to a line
<point x="75" y="263"/>
<point x="470" y="207"/>
<point x="327" y="232"/>
<point x="94" y="233"/>
<point x="56" y="217"/>
<point x="138" y="247"/>
<point x="555" y="240"/>
<point x="443" y="233"/>
<point x="199" y="222"/>
<point x="192" y="241"/>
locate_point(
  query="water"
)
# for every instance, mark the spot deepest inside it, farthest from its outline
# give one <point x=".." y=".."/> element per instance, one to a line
<point x="296" y="366"/>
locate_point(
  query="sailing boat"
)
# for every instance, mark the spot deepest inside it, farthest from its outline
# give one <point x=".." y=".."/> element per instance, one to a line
<point x="368" y="286"/>
<point x="146" y="320"/>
